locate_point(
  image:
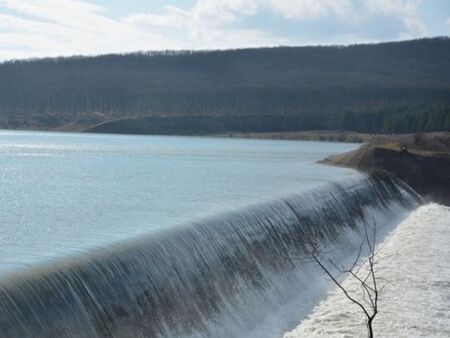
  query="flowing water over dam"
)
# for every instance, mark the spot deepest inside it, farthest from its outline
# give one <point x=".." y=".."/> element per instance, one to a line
<point x="118" y="236"/>
<point x="219" y="277"/>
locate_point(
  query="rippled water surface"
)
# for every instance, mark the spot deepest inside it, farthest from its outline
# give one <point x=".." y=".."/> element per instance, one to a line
<point x="66" y="193"/>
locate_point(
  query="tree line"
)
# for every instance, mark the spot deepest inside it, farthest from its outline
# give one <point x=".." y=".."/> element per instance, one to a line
<point x="398" y="120"/>
<point x="388" y="87"/>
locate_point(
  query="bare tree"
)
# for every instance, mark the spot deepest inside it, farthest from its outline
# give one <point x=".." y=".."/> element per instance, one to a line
<point x="365" y="277"/>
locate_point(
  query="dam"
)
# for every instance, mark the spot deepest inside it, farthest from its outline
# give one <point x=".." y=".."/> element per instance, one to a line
<point x="240" y="271"/>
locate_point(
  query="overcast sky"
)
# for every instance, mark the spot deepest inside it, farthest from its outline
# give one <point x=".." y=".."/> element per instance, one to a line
<point x="35" y="28"/>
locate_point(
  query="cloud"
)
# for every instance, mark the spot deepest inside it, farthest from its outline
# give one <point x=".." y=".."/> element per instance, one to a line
<point x="212" y="24"/>
<point x="50" y="7"/>
<point x="313" y="9"/>
<point x="405" y="10"/>
<point x="174" y="17"/>
<point x="65" y="27"/>
<point x="208" y="24"/>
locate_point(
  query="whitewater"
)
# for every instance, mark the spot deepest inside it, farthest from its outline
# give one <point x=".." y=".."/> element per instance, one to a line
<point x="132" y="237"/>
<point x="246" y="273"/>
<point x="415" y="276"/>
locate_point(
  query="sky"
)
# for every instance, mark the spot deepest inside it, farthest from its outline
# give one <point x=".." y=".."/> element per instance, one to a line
<point x="38" y="28"/>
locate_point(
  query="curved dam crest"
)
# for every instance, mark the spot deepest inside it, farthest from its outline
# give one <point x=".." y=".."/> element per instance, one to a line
<point x="218" y="277"/>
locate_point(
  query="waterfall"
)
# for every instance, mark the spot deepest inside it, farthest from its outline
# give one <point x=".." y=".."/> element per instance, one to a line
<point x="218" y="277"/>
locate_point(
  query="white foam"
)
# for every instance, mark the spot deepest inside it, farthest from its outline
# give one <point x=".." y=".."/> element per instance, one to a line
<point x="415" y="301"/>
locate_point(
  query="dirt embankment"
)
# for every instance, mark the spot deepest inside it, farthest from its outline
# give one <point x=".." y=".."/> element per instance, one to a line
<point x="422" y="161"/>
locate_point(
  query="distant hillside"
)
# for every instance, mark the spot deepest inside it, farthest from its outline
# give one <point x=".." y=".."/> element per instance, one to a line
<point x="388" y="87"/>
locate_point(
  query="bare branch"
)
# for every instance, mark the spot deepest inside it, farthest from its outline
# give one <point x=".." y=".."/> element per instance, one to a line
<point x="368" y="283"/>
<point x="341" y="287"/>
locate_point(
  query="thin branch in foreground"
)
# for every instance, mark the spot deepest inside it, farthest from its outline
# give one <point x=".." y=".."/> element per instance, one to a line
<point x="368" y="283"/>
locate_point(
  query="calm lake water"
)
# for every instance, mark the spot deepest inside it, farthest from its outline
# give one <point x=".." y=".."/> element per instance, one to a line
<point x="62" y="194"/>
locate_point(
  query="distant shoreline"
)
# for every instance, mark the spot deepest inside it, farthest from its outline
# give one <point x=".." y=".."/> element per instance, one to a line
<point x="307" y="135"/>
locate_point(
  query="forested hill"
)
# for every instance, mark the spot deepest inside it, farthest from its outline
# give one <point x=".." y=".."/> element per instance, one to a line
<point x="388" y="87"/>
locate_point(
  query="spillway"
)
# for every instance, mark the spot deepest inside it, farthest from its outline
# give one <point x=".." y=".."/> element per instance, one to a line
<point x="223" y="276"/>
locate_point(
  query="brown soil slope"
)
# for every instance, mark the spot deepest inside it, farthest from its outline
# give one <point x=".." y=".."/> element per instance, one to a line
<point x="422" y="161"/>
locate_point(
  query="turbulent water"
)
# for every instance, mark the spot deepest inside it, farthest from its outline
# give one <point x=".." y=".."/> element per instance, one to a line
<point x="414" y="276"/>
<point x="216" y="278"/>
<point x="242" y="273"/>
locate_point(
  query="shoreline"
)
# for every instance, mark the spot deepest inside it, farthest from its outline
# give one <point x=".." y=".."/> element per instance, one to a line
<point x="421" y="160"/>
<point x="307" y="135"/>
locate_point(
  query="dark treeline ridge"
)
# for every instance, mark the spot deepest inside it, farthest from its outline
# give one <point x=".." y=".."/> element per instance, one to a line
<point x="387" y="87"/>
